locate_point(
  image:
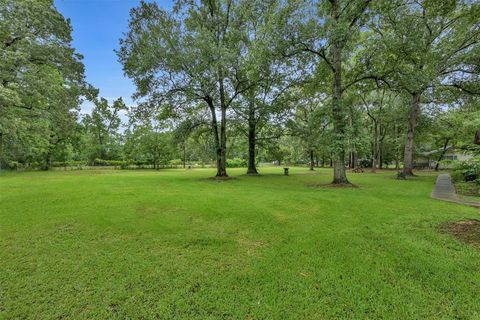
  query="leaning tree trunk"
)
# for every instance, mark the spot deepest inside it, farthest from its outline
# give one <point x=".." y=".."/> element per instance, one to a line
<point x="442" y="154"/>
<point x="413" y="114"/>
<point x="312" y="160"/>
<point x="252" y="168"/>
<point x="339" y="173"/>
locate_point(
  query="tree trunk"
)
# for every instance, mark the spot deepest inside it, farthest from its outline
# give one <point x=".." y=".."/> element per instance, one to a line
<point x="184" y="154"/>
<point x="252" y="168"/>
<point x="397" y="149"/>
<point x="380" y="157"/>
<point x="48" y="159"/>
<point x="222" y="150"/>
<point x="216" y="137"/>
<point x="382" y="134"/>
<point x="339" y="173"/>
<point x="1" y="150"/>
<point x="312" y="160"/>
<point x="444" y="150"/>
<point x="413" y="114"/>
<point x="375" y="145"/>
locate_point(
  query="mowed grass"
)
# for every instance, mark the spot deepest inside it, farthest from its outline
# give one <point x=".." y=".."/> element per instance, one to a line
<point x="172" y="244"/>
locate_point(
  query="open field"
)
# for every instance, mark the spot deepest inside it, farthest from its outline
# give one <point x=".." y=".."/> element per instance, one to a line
<point x="172" y="244"/>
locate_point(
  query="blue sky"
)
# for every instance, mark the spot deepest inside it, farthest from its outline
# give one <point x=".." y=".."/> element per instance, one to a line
<point x="97" y="27"/>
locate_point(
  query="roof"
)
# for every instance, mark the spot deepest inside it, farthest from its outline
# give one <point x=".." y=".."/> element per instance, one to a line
<point x="428" y="153"/>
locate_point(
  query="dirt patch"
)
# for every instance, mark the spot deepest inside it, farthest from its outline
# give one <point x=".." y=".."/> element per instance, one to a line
<point x="219" y="179"/>
<point x="309" y="173"/>
<point x="331" y="185"/>
<point x="467" y="231"/>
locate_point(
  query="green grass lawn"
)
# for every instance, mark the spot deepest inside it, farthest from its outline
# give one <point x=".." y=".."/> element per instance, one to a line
<point x="172" y="244"/>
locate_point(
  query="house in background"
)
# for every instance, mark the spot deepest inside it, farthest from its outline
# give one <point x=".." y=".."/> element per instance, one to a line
<point x="429" y="159"/>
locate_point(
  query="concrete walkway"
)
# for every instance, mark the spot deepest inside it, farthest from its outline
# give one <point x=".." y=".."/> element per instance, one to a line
<point x="444" y="190"/>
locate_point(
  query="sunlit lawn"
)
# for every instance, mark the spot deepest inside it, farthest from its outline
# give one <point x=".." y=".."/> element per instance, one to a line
<point x="171" y="244"/>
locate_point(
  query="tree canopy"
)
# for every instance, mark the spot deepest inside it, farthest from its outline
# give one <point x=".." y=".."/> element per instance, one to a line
<point x="225" y="83"/>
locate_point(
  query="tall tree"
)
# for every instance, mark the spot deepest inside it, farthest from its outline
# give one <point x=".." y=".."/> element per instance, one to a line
<point x="40" y="73"/>
<point x="433" y="45"/>
<point x="379" y="105"/>
<point x="102" y="126"/>
<point x="310" y="123"/>
<point x="331" y="32"/>
<point x="186" y="57"/>
<point x="267" y="73"/>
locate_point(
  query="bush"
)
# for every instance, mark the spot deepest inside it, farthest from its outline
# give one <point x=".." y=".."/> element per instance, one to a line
<point x="113" y="163"/>
<point x="176" y="162"/>
<point x="71" y="163"/>
<point x="468" y="169"/>
<point x="15" y="165"/>
<point x="236" y="163"/>
<point x="457" y="176"/>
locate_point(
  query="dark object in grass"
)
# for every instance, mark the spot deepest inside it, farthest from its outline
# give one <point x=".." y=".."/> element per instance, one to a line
<point x="467" y="231"/>
<point x="358" y="170"/>
<point x="401" y="176"/>
<point x="285" y="171"/>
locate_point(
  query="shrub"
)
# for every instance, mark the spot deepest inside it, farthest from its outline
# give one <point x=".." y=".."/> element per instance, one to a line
<point x="469" y="169"/>
<point x="176" y="162"/>
<point x="15" y="165"/>
<point x="236" y="163"/>
<point x="114" y="163"/>
<point x="457" y="176"/>
<point x="71" y="163"/>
